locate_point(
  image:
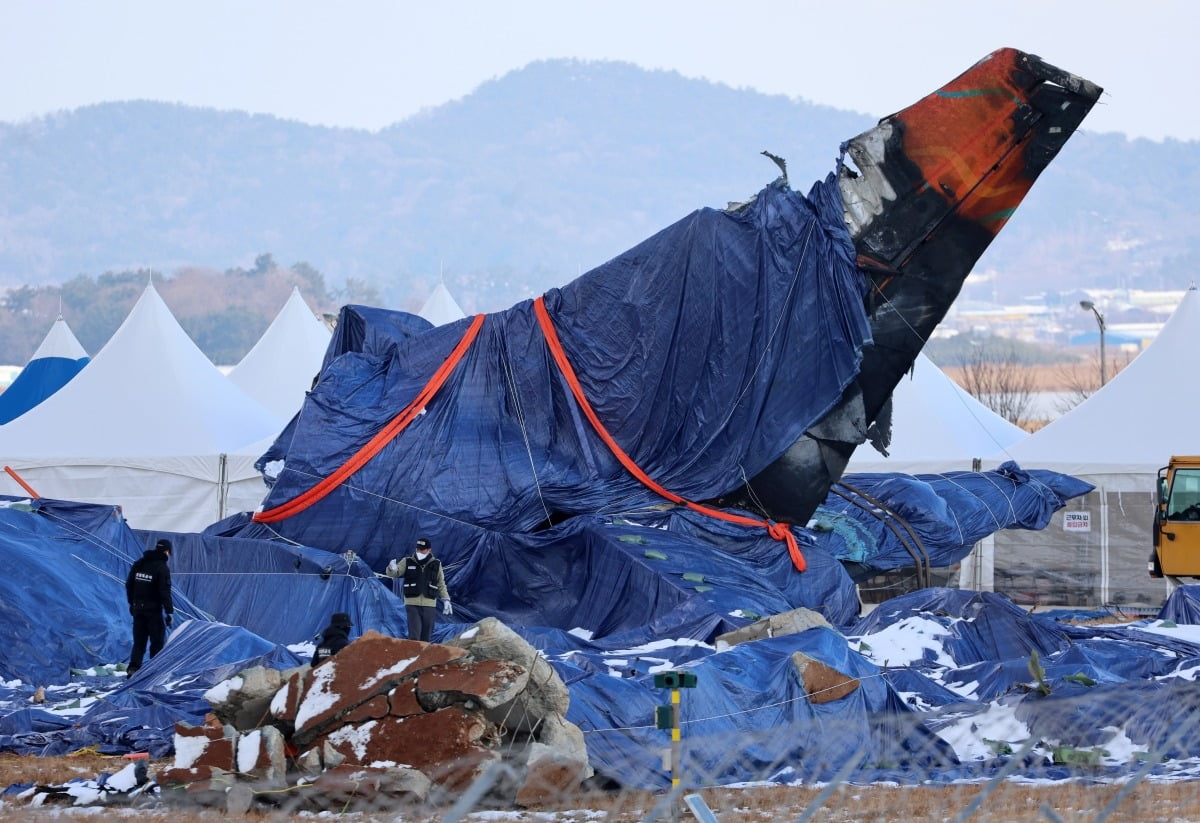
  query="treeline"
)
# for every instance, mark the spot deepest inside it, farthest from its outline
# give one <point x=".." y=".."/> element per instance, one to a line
<point x="225" y="313"/>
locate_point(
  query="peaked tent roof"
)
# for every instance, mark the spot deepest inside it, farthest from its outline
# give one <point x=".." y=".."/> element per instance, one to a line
<point x="937" y="426"/>
<point x="57" y="360"/>
<point x="1138" y="420"/>
<point x="279" y="369"/>
<point x="149" y="392"/>
<point x="441" y="308"/>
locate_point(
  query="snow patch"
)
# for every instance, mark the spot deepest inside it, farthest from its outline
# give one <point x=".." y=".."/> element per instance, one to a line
<point x="319" y="698"/>
<point x="188" y="750"/>
<point x="357" y="737"/>
<point x="397" y="668"/>
<point x="220" y="692"/>
<point x="249" y="746"/>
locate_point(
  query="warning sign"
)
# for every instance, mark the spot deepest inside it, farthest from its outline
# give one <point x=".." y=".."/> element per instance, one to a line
<point x="1077" y="521"/>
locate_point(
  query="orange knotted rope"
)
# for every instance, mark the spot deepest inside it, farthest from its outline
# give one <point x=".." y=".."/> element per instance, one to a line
<point x="779" y="531"/>
<point x="396" y="425"/>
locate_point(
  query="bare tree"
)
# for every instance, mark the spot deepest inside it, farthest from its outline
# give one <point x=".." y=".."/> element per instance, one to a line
<point x="1081" y="378"/>
<point x="995" y="376"/>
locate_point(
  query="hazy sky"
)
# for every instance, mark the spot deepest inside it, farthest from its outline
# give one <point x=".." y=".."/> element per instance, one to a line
<point x="369" y="63"/>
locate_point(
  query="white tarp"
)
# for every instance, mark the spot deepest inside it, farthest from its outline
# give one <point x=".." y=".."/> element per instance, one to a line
<point x="937" y="426"/>
<point x="279" y="370"/>
<point x="150" y="425"/>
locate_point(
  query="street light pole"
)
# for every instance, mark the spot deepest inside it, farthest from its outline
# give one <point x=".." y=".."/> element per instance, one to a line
<point x="1088" y="305"/>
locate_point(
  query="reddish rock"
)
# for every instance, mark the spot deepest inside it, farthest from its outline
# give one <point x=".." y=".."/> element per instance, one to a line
<point x="373" y="709"/>
<point x="182" y="777"/>
<point x="287" y="699"/>
<point x="427" y="741"/>
<point x="210" y="745"/>
<point x="823" y="683"/>
<point x="548" y="779"/>
<point x="260" y="755"/>
<point x="403" y="700"/>
<point x="370" y="666"/>
<point x="489" y="683"/>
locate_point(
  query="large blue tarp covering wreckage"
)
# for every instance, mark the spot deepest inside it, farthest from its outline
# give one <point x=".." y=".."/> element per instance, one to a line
<point x="536" y="520"/>
<point x="706" y="350"/>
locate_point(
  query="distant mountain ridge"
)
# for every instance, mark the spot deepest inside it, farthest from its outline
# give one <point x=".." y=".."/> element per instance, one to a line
<point x="534" y="177"/>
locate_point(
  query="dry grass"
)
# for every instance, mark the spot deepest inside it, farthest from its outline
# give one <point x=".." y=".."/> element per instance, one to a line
<point x="1016" y="802"/>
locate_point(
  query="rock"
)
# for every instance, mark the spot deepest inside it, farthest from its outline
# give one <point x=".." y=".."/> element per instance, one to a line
<point x="545" y="694"/>
<point x="823" y="683"/>
<point x="372" y="665"/>
<point x="210" y="745"/>
<point x="777" y="625"/>
<point x="403" y="700"/>
<point x="549" y="776"/>
<point x="286" y="701"/>
<point x="260" y="756"/>
<point x="425" y="741"/>
<point x="489" y="683"/>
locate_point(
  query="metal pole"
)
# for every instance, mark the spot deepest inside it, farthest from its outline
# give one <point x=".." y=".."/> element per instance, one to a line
<point x="675" y="763"/>
<point x="1100" y="320"/>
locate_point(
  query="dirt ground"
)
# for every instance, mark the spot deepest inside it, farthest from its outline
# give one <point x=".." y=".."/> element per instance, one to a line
<point x="1011" y="801"/>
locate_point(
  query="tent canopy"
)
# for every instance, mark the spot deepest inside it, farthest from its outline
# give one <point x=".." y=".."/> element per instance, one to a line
<point x="1093" y="438"/>
<point x="441" y="308"/>
<point x="57" y="360"/>
<point x="280" y="368"/>
<point x="937" y="426"/>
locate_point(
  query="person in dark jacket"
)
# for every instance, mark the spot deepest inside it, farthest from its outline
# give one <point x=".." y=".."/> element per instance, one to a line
<point x="335" y="637"/>
<point x="148" y="589"/>
<point x="424" y="582"/>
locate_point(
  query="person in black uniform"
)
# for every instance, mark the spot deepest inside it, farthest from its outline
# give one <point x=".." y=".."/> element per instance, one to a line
<point x="148" y="589"/>
<point x="335" y="637"/>
<point x="424" y="583"/>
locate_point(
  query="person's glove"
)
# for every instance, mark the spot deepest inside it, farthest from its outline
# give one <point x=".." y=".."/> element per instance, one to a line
<point x="393" y="568"/>
<point x="169" y="618"/>
<point x="447" y="609"/>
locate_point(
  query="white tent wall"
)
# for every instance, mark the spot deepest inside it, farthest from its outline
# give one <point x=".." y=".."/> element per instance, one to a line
<point x="184" y="494"/>
<point x="1102" y="566"/>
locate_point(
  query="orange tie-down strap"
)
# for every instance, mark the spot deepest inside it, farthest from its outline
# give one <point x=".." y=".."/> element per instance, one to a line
<point x="779" y="531"/>
<point x="396" y="425"/>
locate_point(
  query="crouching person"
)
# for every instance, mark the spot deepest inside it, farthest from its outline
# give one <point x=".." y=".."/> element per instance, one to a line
<point x="334" y="638"/>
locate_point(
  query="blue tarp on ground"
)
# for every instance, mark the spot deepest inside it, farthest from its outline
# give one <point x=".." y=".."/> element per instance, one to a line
<point x="280" y="591"/>
<point x="698" y="403"/>
<point x="1183" y="605"/>
<point x="63" y="605"/>
<point x="140" y="715"/>
<point x="948" y="512"/>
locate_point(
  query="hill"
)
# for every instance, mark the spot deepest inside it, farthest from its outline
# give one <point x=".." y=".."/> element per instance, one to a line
<point x="531" y="179"/>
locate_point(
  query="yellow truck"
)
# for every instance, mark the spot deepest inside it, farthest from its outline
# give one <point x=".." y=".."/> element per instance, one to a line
<point x="1176" y="551"/>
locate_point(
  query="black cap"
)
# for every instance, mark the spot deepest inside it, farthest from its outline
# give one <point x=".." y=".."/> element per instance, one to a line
<point x="423" y="543"/>
<point x="163" y="544"/>
<point x="341" y="619"/>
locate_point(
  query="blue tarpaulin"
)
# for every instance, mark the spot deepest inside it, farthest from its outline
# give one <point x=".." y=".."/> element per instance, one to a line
<point x="948" y="513"/>
<point x="766" y="328"/>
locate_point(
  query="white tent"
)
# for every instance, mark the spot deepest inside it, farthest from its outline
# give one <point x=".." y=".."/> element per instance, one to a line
<point x="55" y="363"/>
<point x="279" y="370"/>
<point x="1123" y="433"/>
<point x="1117" y="439"/>
<point x="441" y="308"/>
<point x="937" y="426"/>
<point x="150" y="425"/>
